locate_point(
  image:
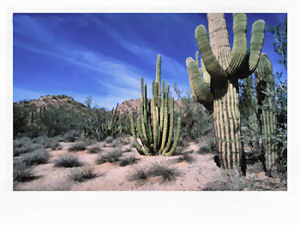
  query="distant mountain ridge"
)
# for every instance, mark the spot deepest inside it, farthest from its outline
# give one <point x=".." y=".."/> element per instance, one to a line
<point x="127" y="106"/>
<point x="52" y="100"/>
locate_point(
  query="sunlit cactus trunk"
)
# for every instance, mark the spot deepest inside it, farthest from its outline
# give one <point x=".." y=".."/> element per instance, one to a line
<point x="218" y="90"/>
<point x="265" y="93"/>
<point x="226" y="100"/>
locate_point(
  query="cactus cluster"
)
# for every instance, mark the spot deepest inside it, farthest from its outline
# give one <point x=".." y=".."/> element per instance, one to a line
<point x="265" y="94"/>
<point x="98" y="124"/>
<point x="155" y="124"/>
<point x="221" y="68"/>
<point x="112" y="126"/>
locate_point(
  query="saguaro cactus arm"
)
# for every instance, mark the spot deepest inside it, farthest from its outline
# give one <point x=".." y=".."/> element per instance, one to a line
<point x="256" y="43"/>
<point x="240" y="48"/>
<point x="242" y="62"/>
<point x="212" y="65"/>
<point x="206" y="76"/>
<point x="199" y="86"/>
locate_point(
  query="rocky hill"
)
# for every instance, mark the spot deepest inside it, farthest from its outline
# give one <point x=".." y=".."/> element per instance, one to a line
<point x="132" y="105"/>
<point x="52" y="100"/>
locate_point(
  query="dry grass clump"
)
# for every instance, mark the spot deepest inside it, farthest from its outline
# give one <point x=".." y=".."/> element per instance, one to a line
<point x="93" y="149"/>
<point x="36" y="157"/>
<point x="82" y="174"/>
<point x="67" y="161"/>
<point x="124" y="161"/>
<point x="111" y="156"/>
<point x="78" y="146"/>
<point x="22" y="172"/>
<point x="71" y="136"/>
<point x="165" y="172"/>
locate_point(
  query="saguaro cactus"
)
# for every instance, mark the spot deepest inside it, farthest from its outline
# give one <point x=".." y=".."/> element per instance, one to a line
<point x="155" y="123"/>
<point x="265" y="94"/>
<point x="249" y="111"/>
<point x="224" y="68"/>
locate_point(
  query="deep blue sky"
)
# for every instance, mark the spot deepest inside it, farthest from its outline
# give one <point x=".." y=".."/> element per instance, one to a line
<point x="105" y="55"/>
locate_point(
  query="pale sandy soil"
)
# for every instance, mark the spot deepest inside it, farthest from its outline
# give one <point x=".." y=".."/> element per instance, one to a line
<point x="199" y="174"/>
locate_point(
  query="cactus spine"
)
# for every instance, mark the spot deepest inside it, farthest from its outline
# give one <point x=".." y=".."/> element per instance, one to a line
<point x="225" y="67"/>
<point x="265" y="93"/>
<point x="155" y="123"/>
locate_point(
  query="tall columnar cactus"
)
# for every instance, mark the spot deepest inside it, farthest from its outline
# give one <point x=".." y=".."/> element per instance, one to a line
<point x="155" y="123"/>
<point x="265" y="93"/>
<point x="224" y="67"/>
<point x="249" y="111"/>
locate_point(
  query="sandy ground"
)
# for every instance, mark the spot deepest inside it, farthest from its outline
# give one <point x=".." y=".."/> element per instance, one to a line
<point x="201" y="173"/>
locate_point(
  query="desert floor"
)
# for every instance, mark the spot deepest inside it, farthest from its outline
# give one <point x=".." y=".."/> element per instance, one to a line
<point x="194" y="169"/>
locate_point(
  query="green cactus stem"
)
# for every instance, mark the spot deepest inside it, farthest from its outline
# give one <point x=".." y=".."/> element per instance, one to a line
<point x="217" y="88"/>
<point x="155" y="124"/>
<point x="249" y="112"/>
<point x="265" y="93"/>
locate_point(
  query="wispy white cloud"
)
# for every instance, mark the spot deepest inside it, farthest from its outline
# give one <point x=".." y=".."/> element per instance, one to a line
<point x="118" y="80"/>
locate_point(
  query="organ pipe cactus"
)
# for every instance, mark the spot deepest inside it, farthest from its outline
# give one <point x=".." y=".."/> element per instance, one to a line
<point x="265" y="94"/>
<point x="224" y="67"/>
<point x="155" y="124"/>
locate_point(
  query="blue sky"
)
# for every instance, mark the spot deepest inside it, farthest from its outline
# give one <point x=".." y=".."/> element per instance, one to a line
<point x="105" y="55"/>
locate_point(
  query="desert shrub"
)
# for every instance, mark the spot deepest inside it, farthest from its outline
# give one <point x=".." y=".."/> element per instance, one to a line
<point x="45" y="121"/>
<point x="78" y="146"/>
<point x="93" y="122"/>
<point x="67" y="161"/>
<point x="109" y="139"/>
<point x="217" y="186"/>
<point x="39" y="156"/>
<point x="19" y="142"/>
<point x="196" y="121"/>
<point x="128" y="160"/>
<point x="82" y="174"/>
<point x="26" y="149"/>
<point x="164" y="171"/>
<point x="59" y="138"/>
<point x="53" y="144"/>
<point x="20" y="119"/>
<point x="95" y="148"/>
<point x="109" y="156"/>
<point x="21" y="150"/>
<point x="124" y="140"/>
<point x="22" y="146"/>
<point x="54" y="121"/>
<point x="21" y="172"/>
<point x="139" y="174"/>
<point x="167" y="173"/>
<point x="46" y="142"/>
<point x="99" y="123"/>
<point x="186" y="157"/>
<point x="71" y="136"/>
